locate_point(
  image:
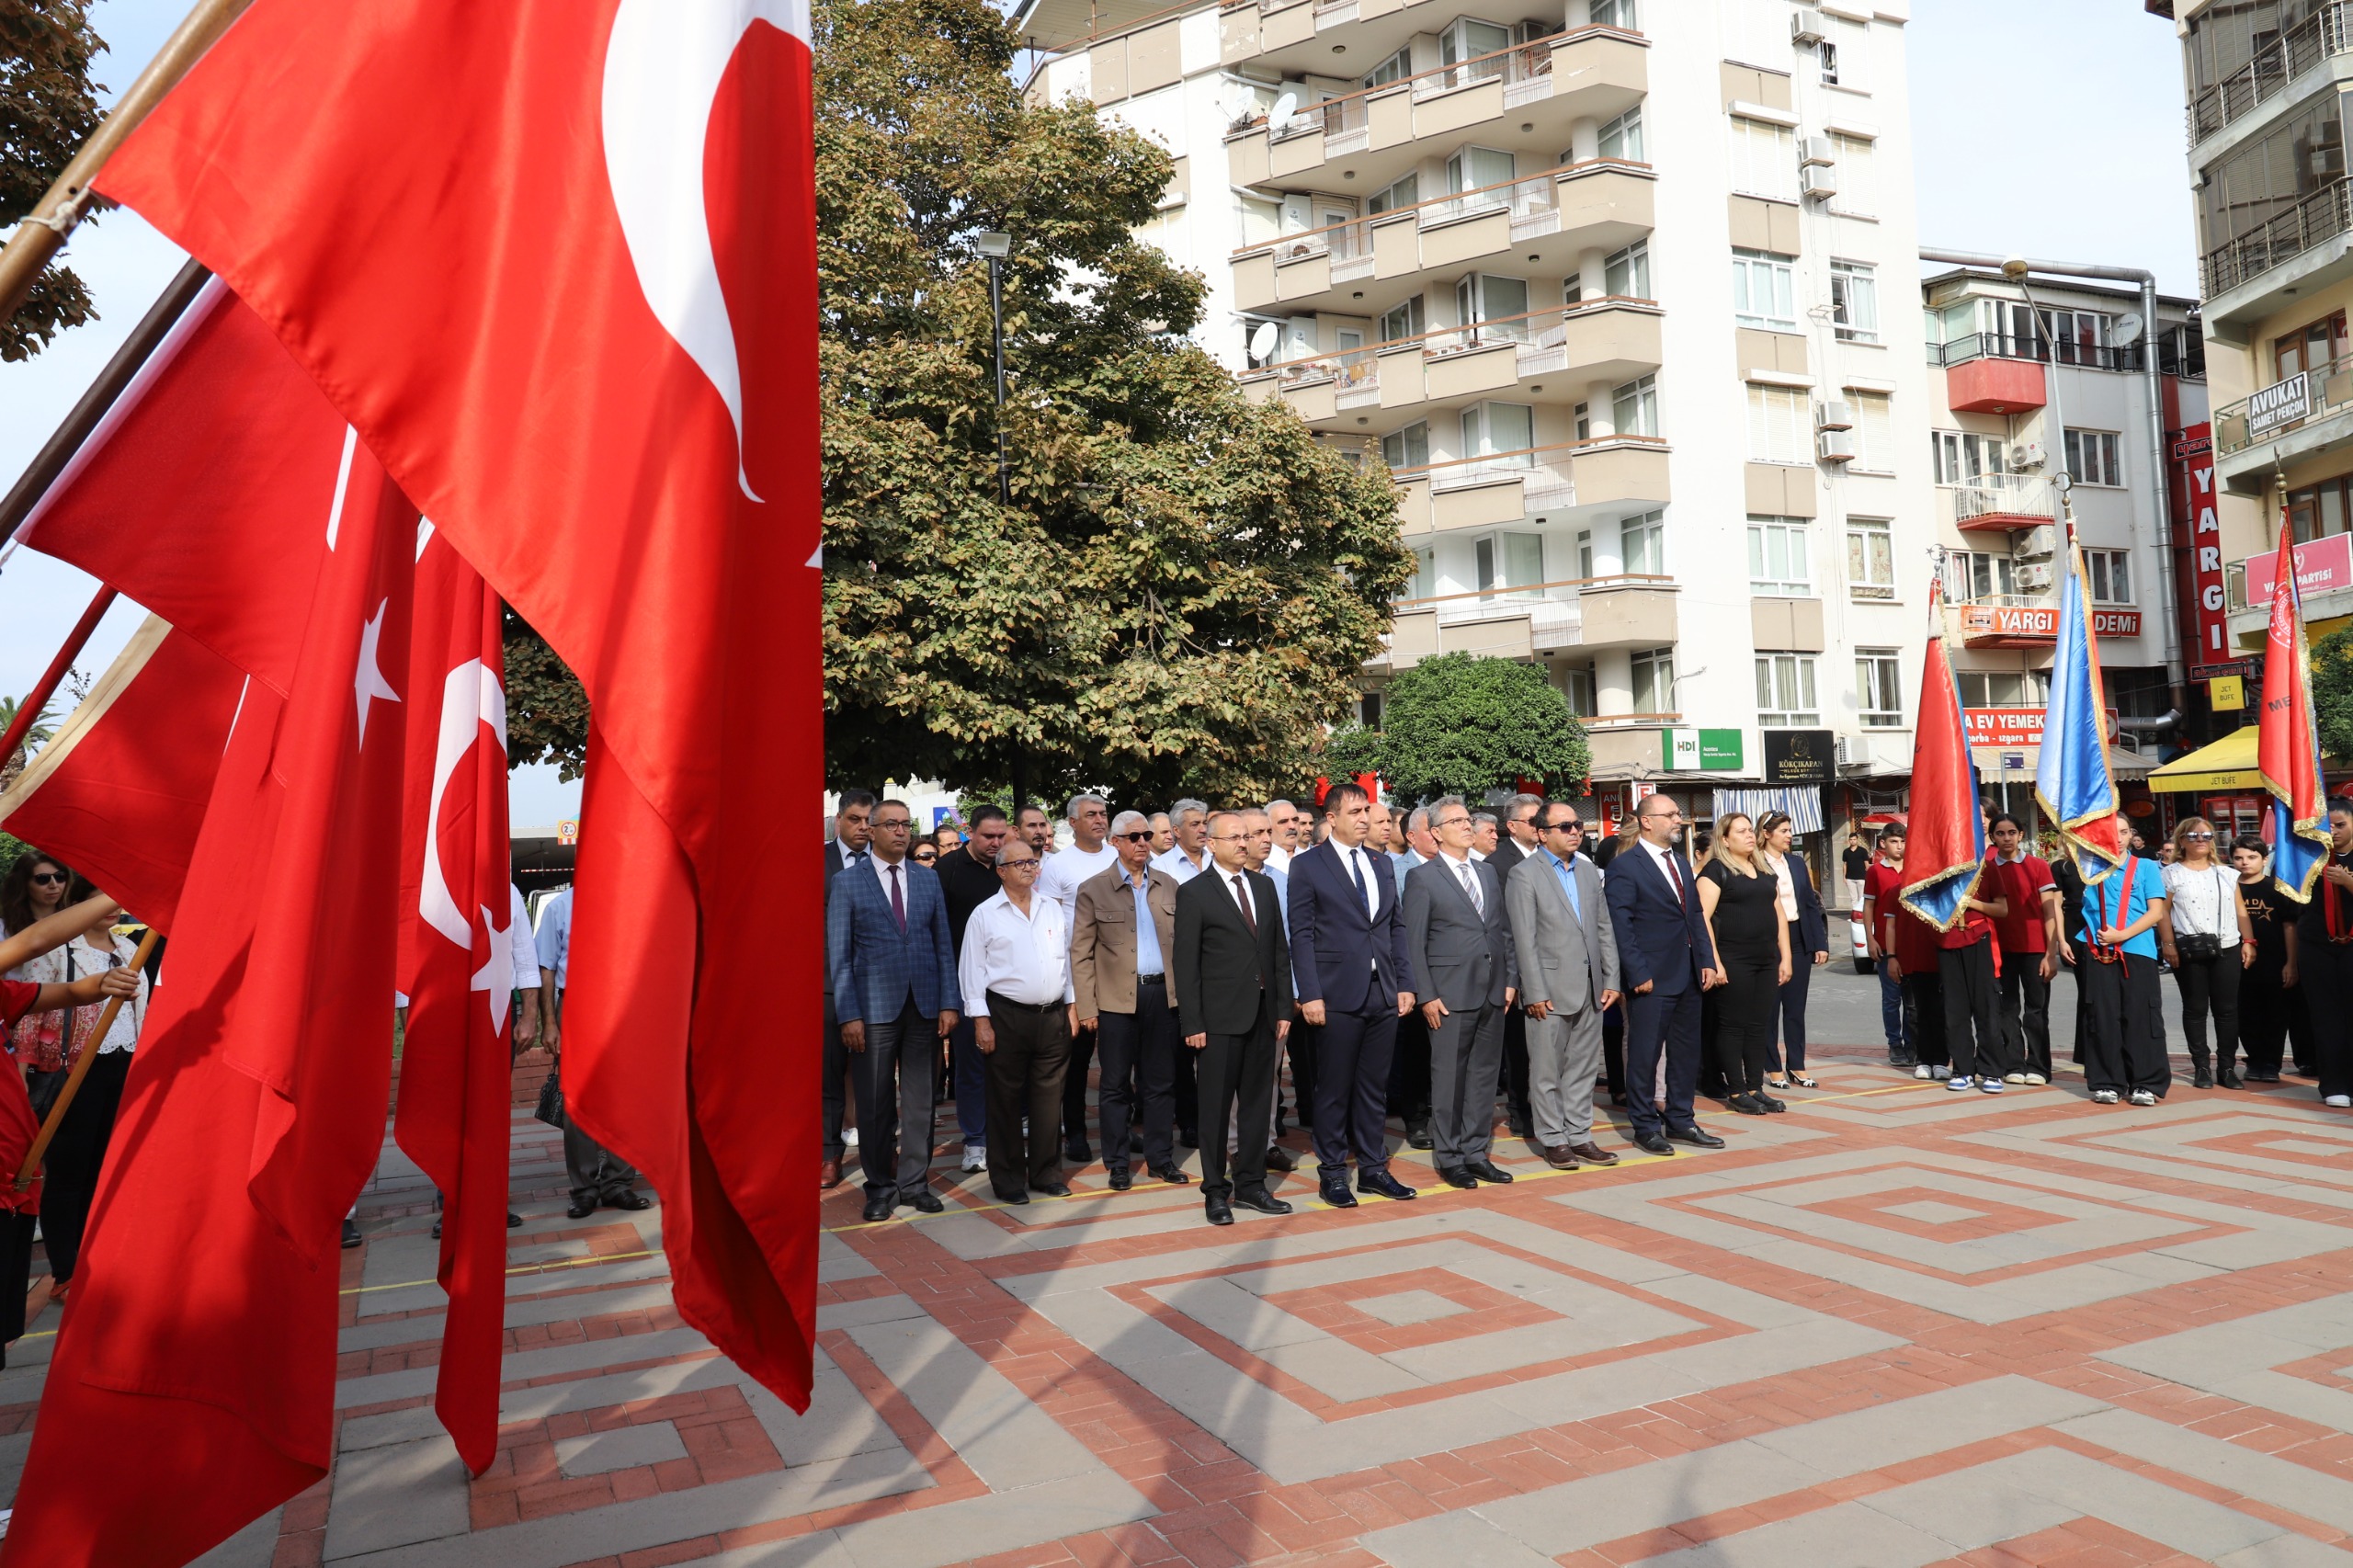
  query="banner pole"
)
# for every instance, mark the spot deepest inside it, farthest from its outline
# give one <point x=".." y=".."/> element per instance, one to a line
<point x="28" y="709"/>
<point x="81" y="1070"/>
<point x="66" y="202"/>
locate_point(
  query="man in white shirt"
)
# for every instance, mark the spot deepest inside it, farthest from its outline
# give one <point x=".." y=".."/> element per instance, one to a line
<point x="1089" y="855"/>
<point x="1287" y="821"/>
<point x="1014" y="974"/>
<point x="595" y="1175"/>
<point x="1189" y="820"/>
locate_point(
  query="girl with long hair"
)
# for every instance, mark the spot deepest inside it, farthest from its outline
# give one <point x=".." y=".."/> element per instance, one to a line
<point x="1739" y="899"/>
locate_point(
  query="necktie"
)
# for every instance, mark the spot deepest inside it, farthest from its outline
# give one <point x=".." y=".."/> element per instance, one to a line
<point x="1356" y="869"/>
<point x="898" y="901"/>
<point x="1471" y="886"/>
<point x="1243" y="894"/>
<point x="1675" y="875"/>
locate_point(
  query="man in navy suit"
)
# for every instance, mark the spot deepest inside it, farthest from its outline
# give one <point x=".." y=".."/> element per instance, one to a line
<point x="892" y="971"/>
<point x="1348" y="949"/>
<point x="853" y="831"/>
<point x="1665" y="961"/>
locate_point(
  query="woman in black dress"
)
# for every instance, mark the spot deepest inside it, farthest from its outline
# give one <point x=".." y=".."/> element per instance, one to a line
<point x="1741" y="902"/>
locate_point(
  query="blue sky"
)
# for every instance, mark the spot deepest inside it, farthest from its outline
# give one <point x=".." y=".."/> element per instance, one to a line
<point x="2044" y="128"/>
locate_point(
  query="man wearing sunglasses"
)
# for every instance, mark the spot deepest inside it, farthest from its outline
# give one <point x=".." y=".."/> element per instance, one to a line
<point x="1668" y="959"/>
<point x="1568" y="978"/>
<point x="1123" y="927"/>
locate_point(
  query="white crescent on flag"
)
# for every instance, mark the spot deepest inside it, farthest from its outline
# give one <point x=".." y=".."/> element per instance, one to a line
<point x="470" y="697"/>
<point x="663" y="66"/>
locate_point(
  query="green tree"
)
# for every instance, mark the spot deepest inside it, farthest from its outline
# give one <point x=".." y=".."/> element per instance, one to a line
<point x="547" y="709"/>
<point x="1463" y="725"/>
<point x="2332" y="661"/>
<point x="37" y="733"/>
<point x="1186" y="582"/>
<point x="48" y="106"/>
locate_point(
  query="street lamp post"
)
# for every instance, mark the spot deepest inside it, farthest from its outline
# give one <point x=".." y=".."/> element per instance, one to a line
<point x="995" y="245"/>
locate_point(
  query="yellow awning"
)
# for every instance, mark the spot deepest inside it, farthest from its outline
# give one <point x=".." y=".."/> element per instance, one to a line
<point x="2228" y="763"/>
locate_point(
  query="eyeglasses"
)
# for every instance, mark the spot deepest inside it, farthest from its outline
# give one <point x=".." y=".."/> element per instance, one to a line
<point x="1144" y="837"/>
<point x="1566" y="827"/>
<point x="49" y="879"/>
<point x="2198" y="836"/>
<point x="1028" y="865"/>
<point x="927" y="855"/>
<point x="1668" y="815"/>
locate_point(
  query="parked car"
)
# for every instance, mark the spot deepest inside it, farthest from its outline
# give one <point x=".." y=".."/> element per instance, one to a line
<point x="1858" y="946"/>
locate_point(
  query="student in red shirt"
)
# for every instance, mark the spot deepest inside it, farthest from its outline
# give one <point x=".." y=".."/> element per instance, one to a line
<point x="2031" y="944"/>
<point x="1883" y="885"/>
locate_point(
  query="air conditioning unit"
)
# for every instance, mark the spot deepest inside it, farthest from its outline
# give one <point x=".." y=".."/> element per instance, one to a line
<point x="2032" y="579"/>
<point x="2027" y="543"/>
<point x="1842" y="752"/>
<point x="1806" y="25"/>
<point x="1835" y="416"/>
<point x="1836" y="446"/>
<point x="1814" y="150"/>
<point x="2025" y="455"/>
<point x="1818" y="181"/>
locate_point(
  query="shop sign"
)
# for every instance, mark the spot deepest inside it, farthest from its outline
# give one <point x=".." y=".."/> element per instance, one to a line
<point x="2039" y="623"/>
<point x="2211" y="619"/>
<point x="1801" y="756"/>
<point x="2227" y="693"/>
<point x="1704" y="751"/>
<point x="2321" y="564"/>
<point x="2281" y="403"/>
<point x="2012" y="726"/>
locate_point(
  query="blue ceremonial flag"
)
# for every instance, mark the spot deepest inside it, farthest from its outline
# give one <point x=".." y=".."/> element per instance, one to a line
<point x="1947" y="851"/>
<point x="2072" y="779"/>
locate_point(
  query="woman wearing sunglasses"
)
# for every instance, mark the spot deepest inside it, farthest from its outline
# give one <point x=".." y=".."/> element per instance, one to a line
<point x="35" y="890"/>
<point x="2208" y="939"/>
<point x="928" y="855"/>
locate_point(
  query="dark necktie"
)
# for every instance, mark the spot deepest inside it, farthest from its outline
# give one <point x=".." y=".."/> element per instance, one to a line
<point x="1364" y="894"/>
<point x="1243" y="893"/>
<point x="1675" y="875"/>
<point x="898" y="901"/>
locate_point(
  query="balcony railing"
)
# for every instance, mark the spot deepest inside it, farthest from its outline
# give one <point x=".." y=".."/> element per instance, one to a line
<point x="2329" y="31"/>
<point x="2044" y="350"/>
<point x="2282" y="406"/>
<point x="2323" y="214"/>
<point x="1553" y="609"/>
<point x="2003" y="495"/>
<point x="1525" y="69"/>
<point x="1541" y="337"/>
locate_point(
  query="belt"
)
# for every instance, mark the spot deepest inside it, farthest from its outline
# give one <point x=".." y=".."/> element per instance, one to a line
<point x="996" y="1001"/>
<point x="1152" y="980"/>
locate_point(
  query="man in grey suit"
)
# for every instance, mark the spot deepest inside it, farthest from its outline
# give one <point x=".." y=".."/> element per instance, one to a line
<point x="1461" y="948"/>
<point x="1568" y="976"/>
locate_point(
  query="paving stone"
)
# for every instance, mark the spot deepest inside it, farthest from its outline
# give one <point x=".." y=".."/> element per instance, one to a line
<point x="648" y="1442"/>
<point x="1408" y="1307"/>
<point x="395" y="1495"/>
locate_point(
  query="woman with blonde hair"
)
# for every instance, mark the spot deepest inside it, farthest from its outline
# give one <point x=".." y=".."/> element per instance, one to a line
<point x="2208" y="939"/>
<point x="1740" y="901"/>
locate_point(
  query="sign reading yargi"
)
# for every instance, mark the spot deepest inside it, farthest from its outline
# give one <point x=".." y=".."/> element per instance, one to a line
<point x="2281" y="403"/>
<point x="2040" y="622"/>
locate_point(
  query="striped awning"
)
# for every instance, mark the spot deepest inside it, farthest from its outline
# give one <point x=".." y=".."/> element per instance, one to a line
<point x="1802" y="804"/>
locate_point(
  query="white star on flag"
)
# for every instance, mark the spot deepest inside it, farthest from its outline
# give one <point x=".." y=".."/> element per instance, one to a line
<point x="497" y="973"/>
<point x="369" y="682"/>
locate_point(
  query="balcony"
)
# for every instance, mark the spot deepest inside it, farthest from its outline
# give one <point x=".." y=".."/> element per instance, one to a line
<point x="2291" y="419"/>
<point x="1999" y="502"/>
<point x="1554" y="484"/>
<point x="1519" y="623"/>
<point x="2297" y="251"/>
<point x="2277" y="64"/>
<point x="1366" y="266"/>
<point x="1522" y="100"/>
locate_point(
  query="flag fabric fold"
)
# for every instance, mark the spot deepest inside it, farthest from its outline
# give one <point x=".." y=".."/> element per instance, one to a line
<point x="2287" y="742"/>
<point x="600" y="380"/>
<point x="1948" y="847"/>
<point x="2073" y="781"/>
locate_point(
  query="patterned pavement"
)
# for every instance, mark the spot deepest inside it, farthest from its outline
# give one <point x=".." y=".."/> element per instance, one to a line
<point x="1894" y="1327"/>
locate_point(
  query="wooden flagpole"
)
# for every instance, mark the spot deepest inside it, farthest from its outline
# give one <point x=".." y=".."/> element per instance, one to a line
<point x="29" y="708"/>
<point x="42" y="234"/>
<point x="81" y="1070"/>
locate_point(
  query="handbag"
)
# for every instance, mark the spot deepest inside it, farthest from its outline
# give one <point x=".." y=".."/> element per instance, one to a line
<point x="550" y="1105"/>
<point x="2199" y="947"/>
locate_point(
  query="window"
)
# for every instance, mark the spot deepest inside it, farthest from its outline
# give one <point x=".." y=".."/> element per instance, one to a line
<point x="1635" y="407"/>
<point x="2078" y="336"/>
<point x="1407" y="319"/>
<point x="2003" y="688"/>
<point x="1409" y="448"/>
<point x="1871" y="558"/>
<point x="1500" y="304"/>
<point x="1874" y="432"/>
<point x="1509" y="560"/>
<point x="1469" y="40"/>
<point x="1764" y="290"/>
<point x="1368" y="711"/>
<point x="1778" y="421"/>
<point x="2092" y="457"/>
<point x="1779" y="561"/>
<point x="1846" y="53"/>
<point x="1764" y="159"/>
<point x="1583" y="415"/>
<point x="1577" y="684"/>
<point x="1492" y="427"/>
<point x="1476" y="169"/>
<point x="2321" y="343"/>
<point x="1627" y="274"/>
<point x="2110" y="572"/>
<point x="1398" y="64"/>
<point x="1623" y="137"/>
<point x="1616" y="14"/>
<point x="1974" y="574"/>
<point x="2302" y="154"/>
<point x="1785" y="691"/>
<point x="1642" y="545"/>
<point x="1854" y="301"/>
<point x="1655" y="680"/>
<point x="1585" y="555"/>
<point x="2319" y="510"/>
<point x="1879" y="687"/>
<point x="1857" y="194"/>
<point x="1424" y="584"/>
<point x="1963" y="456"/>
<point x="1402" y="193"/>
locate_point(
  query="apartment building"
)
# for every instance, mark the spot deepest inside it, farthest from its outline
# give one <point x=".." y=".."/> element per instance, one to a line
<point x="2031" y="380"/>
<point x="1621" y="292"/>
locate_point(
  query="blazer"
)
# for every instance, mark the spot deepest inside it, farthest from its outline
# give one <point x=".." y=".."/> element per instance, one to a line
<point x="834" y="868"/>
<point x="1662" y="940"/>
<point x="1224" y="971"/>
<point x="873" y="967"/>
<point x="1103" y="939"/>
<point x="1813" y="925"/>
<point x="1461" y="956"/>
<point x="1346" y="959"/>
<point x="1508" y="857"/>
<point x="1567" y="957"/>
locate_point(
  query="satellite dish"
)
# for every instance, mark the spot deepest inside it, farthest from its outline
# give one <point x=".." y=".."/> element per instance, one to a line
<point x="1280" y="115"/>
<point x="2128" y="326"/>
<point x="1262" y="342"/>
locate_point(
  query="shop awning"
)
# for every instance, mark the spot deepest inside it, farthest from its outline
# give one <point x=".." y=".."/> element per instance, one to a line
<point x="2228" y="763"/>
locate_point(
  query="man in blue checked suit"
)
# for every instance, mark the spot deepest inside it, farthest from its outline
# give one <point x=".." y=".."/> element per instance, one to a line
<point x="1664" y="962"/>
<point x="891" y="972"/>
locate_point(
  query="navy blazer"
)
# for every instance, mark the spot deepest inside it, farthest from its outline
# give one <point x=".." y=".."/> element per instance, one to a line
<point x="1344" y="959"/>
<point x="873" y="967"/>
<point x="1813" y="925"/>
<point x="1660" y="939"/>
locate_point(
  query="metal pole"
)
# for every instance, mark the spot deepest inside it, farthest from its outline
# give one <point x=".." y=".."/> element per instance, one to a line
<point x="997" y="315"/>
<point x="28" y="707"/>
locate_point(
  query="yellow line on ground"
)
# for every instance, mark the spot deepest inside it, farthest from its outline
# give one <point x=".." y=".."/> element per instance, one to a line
<point x="549" y="1268"/>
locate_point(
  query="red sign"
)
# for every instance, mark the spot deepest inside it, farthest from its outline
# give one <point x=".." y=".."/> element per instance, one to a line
<point x="2039" y="623"/>
<point x="2012" y="726"/>
<point x="2322" y="564"/>
<point x="2196" y="449"/>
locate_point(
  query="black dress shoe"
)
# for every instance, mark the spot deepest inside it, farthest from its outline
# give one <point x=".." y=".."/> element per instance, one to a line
<point x="1189" y="1136"/>
<point x="1335" y="1191"/>
<point x="1487" y="1170"/>
<point x="1748" y="1105"/>
<point x="436" y="1230"/>
<point x="1012" y="1198"/>
<point x="1419" y="1136"/>
<point x="1381" y="1184"/>
<point x="1218" y="1209"/>
<point x="625" y="1198"/>
<point x="1121" y="1180"/>
<point x="351" y="1234"/>
<point x="1056" y="1190"/>
<point x="1455" y="1176"/>
<point x="581" y="1208"/>
<point x="2201" y="1079"/>
<point x="1280" y="1158"/>
<point x="1522" y="1126"/>
<point x="879" y="1209"/>
<point x="2229" y="1078"/>
<point x="513" y="1220"/>
<point x="930" y="1203"/>
<point x="1769" y="1103"/>
<point x="1174" y="1176"/>
<point x="1264" y="1202"/>
<point x="1694" y="1137"/>
<point x="1653" y="1144"/>
<point x="1077" y="1153"/>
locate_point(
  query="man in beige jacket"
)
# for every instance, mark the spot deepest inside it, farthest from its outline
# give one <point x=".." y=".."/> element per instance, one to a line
<point x="1122" y="931"/>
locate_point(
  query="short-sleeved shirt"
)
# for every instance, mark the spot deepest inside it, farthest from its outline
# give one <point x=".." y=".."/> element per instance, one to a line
<point x="553" y="939"/>
<point x="2023" y="881"/>
<point x="2108" y="903"/>
<point x="2270" y="914"/>
<point x="1883" y="889"/>
<point x="2202" y="901"/>
<point x="2329" y="903"/>
<point x="1858" y="861"/>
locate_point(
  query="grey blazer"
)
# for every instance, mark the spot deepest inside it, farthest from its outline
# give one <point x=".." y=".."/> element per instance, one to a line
<point x="1562" y="960"/>
<point x="1460" y="956"/>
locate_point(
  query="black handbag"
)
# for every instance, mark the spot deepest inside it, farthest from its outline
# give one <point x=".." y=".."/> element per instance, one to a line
<point x="2197" y="947"/>
<point x="550" y="1105"/>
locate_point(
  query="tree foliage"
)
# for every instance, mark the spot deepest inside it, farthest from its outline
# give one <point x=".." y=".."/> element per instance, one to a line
<point x="2332" y="662"/>
<point x="48" y="106"/>
<point x="1463" y="725"/>
<point x="547" y="709"/>
<point x="1181" y="594"/>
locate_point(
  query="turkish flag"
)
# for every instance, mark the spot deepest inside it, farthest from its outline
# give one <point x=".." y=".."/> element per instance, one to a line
<point x="556" y="261"/>
<point x="198" y="1351"/>
<point x="457" y="945"/>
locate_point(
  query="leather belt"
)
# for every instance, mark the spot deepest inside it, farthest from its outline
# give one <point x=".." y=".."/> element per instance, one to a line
<point x="995" y="1001"/>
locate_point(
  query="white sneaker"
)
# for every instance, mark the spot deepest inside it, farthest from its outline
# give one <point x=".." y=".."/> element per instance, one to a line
<point x="2013" y="1077"/>
<point x="850" y="1139"/>
<point x="2036" y="1080"/>
<point x="1923" y="1071"/>
<point x="2342" y="1102"/>
<point x="2143" y="1098"/>
<point x="1989" y="1085"/>
<point x="1960" y="1081"/>
<point x="1941" y="1073"/>
<point x="2103" y="1097"/>
<point x="976" y="1156"/>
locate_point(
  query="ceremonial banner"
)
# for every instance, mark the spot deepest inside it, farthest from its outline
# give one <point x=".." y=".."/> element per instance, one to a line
<point x="2287" y="750"/>
<point x="1947" y="851"/>
<point x="2072" y="779"/>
